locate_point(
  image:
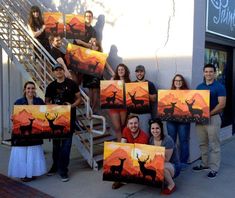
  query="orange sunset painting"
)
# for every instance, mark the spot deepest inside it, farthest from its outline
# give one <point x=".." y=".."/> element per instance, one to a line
<point x="41" y="121"/>
<point x="137" y="97"/>
<point x="75" y="26"/>
<point x="184" y="105"/>
<point x="85" y="60"/>
<point x="112" y="94"/>
<point x="133" y="163"/>
<point x="54" y="23"/>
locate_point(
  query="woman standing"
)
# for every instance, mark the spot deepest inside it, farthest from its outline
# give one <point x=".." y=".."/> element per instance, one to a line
<point x="27" y="159"/>
<point x="182" y="129"/>
<point x="118" y="116"/>
<point x="37" y="27"/>
<point x="172" y="163"/>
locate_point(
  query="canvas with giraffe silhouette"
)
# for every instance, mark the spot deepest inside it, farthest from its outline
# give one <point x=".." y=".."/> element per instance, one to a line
<point x="54" y="23"/>
<point x="85" y="60"/>
<point x="41" y="121"/>
<point x="184" y="105"/>
<point x="137" y="97"/>
<point x="112" y="94"/>
<point x="133" y="163"/>
<point x="75" y="26"/>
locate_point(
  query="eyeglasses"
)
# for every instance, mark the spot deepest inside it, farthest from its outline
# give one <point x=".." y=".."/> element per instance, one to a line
<point x="178" y="80"/>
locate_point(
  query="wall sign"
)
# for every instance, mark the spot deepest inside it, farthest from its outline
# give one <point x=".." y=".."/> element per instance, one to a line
<point x="221" y="18"/>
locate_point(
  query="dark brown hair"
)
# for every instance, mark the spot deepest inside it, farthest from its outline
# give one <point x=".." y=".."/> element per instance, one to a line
<point x="90" y="12"/>
<point x="26" y="84"/>
<point x="127" y="73"/>
<point x="159" y="122"/>
<point x="35" y="23"/>
<point x="184" y="84"/>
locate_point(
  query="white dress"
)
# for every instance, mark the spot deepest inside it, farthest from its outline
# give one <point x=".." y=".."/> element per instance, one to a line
<point x="26" y="161"/>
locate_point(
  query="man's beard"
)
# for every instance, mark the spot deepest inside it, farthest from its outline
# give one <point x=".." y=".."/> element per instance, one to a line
<point x="140" y="79"/>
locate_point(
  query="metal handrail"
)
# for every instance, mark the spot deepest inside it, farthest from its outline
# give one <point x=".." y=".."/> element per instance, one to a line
<point x="15" y="10"/>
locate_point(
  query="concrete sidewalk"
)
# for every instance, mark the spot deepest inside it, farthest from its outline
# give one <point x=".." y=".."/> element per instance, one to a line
<point x="87" y="183"/>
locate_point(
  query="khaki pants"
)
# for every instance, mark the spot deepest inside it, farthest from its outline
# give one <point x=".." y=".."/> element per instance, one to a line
<point x="209" y="142"/>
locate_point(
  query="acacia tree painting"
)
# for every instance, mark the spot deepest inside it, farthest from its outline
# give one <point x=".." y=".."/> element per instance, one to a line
<point x="133" y="163"/>
<point x="184" y="105"/>
<point x="41" y="121"/>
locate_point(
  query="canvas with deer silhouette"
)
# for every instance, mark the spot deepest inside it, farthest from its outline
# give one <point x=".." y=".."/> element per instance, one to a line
<point x="137" y="97"/>
<point x="75" y="26"/>
<point x="85" y="60"/>
<point x="112" y="94"/>
<point x="41" y="121"/>
<point x="54" y="23"/>
<point x="184" y="105"/>
<point x="133" y="163"/>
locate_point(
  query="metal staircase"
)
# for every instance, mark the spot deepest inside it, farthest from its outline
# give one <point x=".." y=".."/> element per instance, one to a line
<point x="35" y="64"/>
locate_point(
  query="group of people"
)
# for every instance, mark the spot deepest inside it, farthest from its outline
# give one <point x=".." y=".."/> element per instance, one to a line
<point x="27" y="159"/>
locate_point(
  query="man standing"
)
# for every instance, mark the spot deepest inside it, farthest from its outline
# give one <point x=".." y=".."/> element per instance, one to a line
<point x="210" y="134"/>
<point x="62" y="91"/>
<point x="132" y="134"/>
<point x="56" y="42"/>
<point x="90" y="33"/>
<point x="140" y="77"/>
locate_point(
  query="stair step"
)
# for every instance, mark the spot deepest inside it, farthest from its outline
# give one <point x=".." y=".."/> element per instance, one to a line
<point x="98" y="158"/>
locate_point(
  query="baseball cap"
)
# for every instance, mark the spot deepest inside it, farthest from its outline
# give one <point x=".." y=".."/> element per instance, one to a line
<point x="140" y="68"/>
<point x="57" y="65"/>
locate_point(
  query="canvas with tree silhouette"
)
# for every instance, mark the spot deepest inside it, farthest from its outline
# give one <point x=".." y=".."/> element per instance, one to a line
<point x="85" y="60"/>
<point x="133" y="163"/>
<point x="184" y="105"/>
<point x="75" y="26"/>
<point x="41" y="121"/>
<point x="112" y="94"/>
<point x="137" y="97"/>
<point x="54" y="23"/>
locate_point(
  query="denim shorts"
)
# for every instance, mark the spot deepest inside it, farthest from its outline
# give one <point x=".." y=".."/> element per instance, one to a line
<point x="177" y="168"/>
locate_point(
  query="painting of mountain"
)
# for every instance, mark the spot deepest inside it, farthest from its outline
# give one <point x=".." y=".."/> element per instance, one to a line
<point x="54" y="23"/>
<point x="75" y="26"/>
<point x="112" y="94"/>
<point x="85" y="60"/>
<point x="184" y="105"/>
<point x="41" y="121"/>
<point x="137" y="97"/>
<point x="133" y="163"/>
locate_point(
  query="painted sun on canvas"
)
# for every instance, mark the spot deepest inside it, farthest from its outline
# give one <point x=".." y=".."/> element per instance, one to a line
<point x="41" y="121"/>
<point x="137" y="97"/>
<point x="75" y="26"/>
<point x="54" y="23"/>
<point x="184" y="105"/>
<point x="133" y="163"/>
<point x="112" y="94"/>
<point x="85" y="60"/>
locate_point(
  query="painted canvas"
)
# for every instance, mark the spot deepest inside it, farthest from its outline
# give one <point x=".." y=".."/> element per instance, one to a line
<point x="75" y="26"/>
<point x="133" y="163"/>
<point x="184" y="105"/>
<point x="112" y="94"/>
<point x="54" y="23"/>
<point x="41" y="121"/>
<point x="137" y="97"/>
<point x="85" y="60"/>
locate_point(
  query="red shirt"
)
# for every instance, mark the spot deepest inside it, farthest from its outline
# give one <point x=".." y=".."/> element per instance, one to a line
<point x="142" y="137"/>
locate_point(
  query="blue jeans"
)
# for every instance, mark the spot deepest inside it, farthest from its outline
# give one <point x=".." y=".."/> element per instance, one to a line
<point x="183" y="131"/>
<point x="61" y="154"/>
